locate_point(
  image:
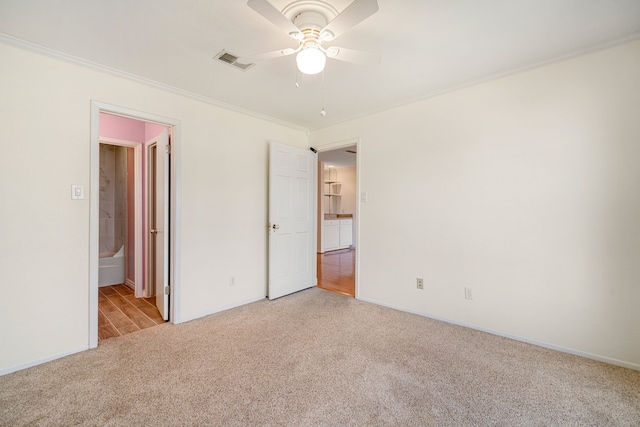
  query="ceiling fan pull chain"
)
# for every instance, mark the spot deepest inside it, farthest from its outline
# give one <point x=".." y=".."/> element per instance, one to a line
<point x="323" y="112"/>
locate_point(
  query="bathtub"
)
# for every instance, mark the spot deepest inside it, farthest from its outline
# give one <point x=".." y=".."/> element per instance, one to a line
<point x="111" y="268"/>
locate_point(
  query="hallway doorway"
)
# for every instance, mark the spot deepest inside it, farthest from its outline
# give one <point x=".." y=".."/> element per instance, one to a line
<point x="337" y="271"/>
<point x="338" y="210"/>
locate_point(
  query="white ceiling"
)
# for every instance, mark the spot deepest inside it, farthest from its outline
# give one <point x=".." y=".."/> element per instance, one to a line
<point x="426" y="46"/>
<point x="338" y="157"/>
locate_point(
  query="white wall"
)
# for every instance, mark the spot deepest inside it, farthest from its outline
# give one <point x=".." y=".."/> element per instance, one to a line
<point x="347" y="178"/>
<point x="524" y="188"/>
<point x="44" y="276"/>
<point x="527" y="190"/>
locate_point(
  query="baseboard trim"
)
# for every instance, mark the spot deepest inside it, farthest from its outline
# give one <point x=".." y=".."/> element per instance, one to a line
<point x="40" y="361"/>
<point x="586" y="355"/>
<point x="219" y="309"/>
<point x="130" y="284"/>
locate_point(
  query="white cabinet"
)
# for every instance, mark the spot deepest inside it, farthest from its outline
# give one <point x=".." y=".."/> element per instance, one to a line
<point x="346" y="233"/>
<point x="330" y="235"/>
<point x="337" y="234"/>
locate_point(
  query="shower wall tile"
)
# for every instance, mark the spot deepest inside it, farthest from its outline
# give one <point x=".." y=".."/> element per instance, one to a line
<point x="119" y="228"/>
<point x="118" y="242"/>
<point x="109" y="229"/>
<point x="120" y="207"/>
<point x="113" y="197"/>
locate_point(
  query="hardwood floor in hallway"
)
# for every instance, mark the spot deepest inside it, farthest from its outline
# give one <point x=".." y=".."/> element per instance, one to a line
<point x="120" y="312"/>
<point x="336" y="271"/>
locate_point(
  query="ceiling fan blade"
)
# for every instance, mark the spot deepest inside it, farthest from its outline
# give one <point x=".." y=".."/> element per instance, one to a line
<point x="355" y="13"/>
<point x="354" y="56"/>
<point x="264" y="56"/>
<point x="273" y="15"/>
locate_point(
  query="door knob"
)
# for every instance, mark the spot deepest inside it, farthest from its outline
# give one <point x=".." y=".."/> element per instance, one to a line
<point x="275" y="226"/>
<point x="154" y="231"/>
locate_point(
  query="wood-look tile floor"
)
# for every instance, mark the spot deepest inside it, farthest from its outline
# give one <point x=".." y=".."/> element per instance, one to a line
<point x="336" y="271"/>
<point x="120" y="312"/>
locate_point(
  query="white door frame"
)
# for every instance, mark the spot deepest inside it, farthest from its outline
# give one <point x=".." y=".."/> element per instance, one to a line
<point x="150" y="288"/>
<point x="137" y="154"/>
<point x="334" y="146"/>
<point x="94" y="218"/>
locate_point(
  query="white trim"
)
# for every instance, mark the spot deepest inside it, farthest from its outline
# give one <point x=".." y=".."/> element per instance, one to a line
<point x="149" y="291"/>
<point x="176" y="177"/>
<point x="33" y="47"/>
<point x="40" y="361"/>
<point x="316" y="220"/>
<point x="338" y="144"/>
<point x="586" y="355"/>
<point x="137" y="173"/>
<point x="175" y="248"/>
<point x="121" y="142"/>
<point x="334" y="146"/>
<point x="489" y="77"/>
<point x="94" y="223"/>
<point x="221" y="309"/>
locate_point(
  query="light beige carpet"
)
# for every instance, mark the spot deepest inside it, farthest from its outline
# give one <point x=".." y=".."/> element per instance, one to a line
<point x="317" y="358"/>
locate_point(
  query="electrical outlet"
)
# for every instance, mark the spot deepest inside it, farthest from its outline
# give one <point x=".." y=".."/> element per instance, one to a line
<point x="232" y="281"/>
<point x="419" y="283"/>
<point x="468" y="293"/>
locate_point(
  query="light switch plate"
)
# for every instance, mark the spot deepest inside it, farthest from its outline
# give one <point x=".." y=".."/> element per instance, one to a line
<point x="77" y="192"/>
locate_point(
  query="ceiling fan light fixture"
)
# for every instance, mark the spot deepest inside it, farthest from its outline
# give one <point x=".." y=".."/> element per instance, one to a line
<point x="311" y="60"/>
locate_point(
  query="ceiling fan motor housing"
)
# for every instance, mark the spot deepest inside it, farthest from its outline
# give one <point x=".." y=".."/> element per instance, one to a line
<point x="292" y="10"/>
<point x="310" y="21"/>
<point x="311" y="16"/>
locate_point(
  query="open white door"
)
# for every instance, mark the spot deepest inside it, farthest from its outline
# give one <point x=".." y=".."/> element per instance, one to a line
<point x="291" y="220"/>
<point x="159" y="221"/>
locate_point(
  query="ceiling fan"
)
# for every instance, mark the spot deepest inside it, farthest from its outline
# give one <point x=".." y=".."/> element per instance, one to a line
<point x="312" y="23"/>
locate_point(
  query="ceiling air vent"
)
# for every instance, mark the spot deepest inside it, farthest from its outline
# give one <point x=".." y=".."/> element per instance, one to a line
<point x="230" y="59"/>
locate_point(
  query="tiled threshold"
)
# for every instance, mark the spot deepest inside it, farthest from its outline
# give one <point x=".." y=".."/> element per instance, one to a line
<point x="120" y="312"/>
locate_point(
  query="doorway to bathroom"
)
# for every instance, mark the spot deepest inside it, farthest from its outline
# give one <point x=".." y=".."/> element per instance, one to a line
<point x="124" y="305"/>
<point x="338" y="209"/>
<point x="132" y="222"/>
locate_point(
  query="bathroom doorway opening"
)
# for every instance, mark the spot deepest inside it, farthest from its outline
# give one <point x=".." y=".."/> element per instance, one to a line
<point x="133" y="236"/>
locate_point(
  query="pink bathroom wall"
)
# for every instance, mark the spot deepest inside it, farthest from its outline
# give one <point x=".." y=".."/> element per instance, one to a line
<point x="151" y="130"/>
<point x="117" y="127"/>
<point x="123" y="128"/>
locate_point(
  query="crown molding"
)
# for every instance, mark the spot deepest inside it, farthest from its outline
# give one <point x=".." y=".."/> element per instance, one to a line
<point x="42" y="50"/>
<point x="494" y="76"/>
